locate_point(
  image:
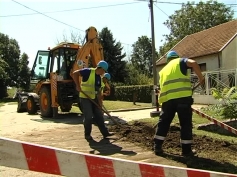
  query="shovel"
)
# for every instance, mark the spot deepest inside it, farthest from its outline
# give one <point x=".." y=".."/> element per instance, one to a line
<point x="101" y="108"/>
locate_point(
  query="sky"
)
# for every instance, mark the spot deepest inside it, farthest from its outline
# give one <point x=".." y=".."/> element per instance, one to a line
<point x="39" y="24"/>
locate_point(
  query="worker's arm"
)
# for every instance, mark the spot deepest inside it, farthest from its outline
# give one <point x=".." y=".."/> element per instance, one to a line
<point x="76" y="74"/>
<point x="193" y="64"/>
<point x="107" y="92"/>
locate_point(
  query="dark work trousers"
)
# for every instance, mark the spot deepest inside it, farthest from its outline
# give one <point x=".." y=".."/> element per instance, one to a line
<point x="181" y="106"/>
<point x="90" y="110"/>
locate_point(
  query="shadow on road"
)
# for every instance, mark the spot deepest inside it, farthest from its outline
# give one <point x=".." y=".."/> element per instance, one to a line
<point x="105" y="147"/>
<point x="69" y="118"/>
<point x="203" y="163"/>
<point x="73" y="119"/>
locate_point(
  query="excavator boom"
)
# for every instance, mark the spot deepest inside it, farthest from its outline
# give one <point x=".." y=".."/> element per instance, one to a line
<point x="92" y="49"/>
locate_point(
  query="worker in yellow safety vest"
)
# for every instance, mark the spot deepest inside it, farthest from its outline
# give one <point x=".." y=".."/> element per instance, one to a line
<point x="90" y="84"/>
<point x="105" y="88"/>
<point x="176" y="97"/>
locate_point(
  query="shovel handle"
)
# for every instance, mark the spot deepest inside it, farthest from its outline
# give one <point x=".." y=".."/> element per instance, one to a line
<point x="106" y="112"/>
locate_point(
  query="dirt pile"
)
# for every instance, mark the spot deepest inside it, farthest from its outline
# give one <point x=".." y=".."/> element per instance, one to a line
<point x="212" y="154"/>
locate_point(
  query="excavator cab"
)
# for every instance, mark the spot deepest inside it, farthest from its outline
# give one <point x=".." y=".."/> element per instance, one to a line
<point x="59" y="60"/>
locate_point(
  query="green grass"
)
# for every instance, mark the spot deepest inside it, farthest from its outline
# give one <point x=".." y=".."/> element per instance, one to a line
<point x="8" y="99"/>
<point x="11" y="92"/>
<point x="117" y="105"/>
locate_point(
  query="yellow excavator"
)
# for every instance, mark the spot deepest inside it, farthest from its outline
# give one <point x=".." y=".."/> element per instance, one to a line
<point x="52" y="75"/>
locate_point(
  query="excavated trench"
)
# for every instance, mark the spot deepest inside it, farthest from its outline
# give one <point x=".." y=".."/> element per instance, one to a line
<point x="212" y="154"/>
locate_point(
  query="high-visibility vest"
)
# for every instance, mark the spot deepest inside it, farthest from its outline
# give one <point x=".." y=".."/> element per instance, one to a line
<point x="173" y="84"/>
<point x="89" y="86"/>
<point x="102" y="87"/>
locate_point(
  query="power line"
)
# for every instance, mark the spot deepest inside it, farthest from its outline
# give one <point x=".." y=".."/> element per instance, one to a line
<point x="69" y="10"/>
<point x="180" y="3"/>
<point x="48" y="16"/>
<point x="161" y="10"/>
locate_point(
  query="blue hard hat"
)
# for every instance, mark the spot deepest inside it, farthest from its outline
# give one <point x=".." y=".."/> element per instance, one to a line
<point x="171" y="55"/>
<point x="107" y="76"/>
<point x="103" y="64"/>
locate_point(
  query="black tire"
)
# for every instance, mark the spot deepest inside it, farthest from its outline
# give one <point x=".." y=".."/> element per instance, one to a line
<point x="66" y="108"/>
<point x="31" y="106"/>
<point x="45" y="102"/>
<point x="20" y="107"/>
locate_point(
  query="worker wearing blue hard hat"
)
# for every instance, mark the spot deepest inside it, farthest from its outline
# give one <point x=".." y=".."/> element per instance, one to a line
<point x="176" y="97"/>
<point x="106" y="78"/>
<point x="89" y="87"/>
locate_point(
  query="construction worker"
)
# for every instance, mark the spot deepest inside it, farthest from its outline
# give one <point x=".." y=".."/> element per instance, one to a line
<point x="104" y="83"/>
<point x="176" y="96"/>
<point x="90" y="85"/>
<point x="105" y="79"/>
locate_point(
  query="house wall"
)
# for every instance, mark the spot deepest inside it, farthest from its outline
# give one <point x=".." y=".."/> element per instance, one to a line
<point x="229" y="55"/>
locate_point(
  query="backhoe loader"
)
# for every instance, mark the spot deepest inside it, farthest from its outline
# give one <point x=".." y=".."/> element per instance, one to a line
<point x="52" y="75"/>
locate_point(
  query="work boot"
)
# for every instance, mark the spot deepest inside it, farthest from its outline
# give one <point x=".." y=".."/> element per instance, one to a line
<point x="88" y="137"/>
<point x="187" y="150"/>
<point x="189" y="154"/>
<point x="158" y="149"/>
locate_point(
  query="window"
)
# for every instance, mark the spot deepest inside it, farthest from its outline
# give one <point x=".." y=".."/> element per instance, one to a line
<point x="203" y="66"/>
<point x="40" y="67"/>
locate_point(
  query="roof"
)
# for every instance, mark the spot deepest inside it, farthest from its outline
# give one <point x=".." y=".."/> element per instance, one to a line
<point x="209" y="41"/>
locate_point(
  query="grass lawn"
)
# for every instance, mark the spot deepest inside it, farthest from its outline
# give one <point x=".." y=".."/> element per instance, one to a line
<point x="9" y="98"/>
<point x="116" y="105"/>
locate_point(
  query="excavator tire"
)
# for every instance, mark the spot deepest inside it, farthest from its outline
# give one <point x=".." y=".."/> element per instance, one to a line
<point x="66" y="108"/>
<point x="45" y="102"/>
<point x="31" y="106"/>
<point x="20" y="106"/>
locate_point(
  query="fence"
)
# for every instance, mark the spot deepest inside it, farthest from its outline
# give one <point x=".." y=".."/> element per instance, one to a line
<point x="220" y="80"/>
<point x="33" y="157"/>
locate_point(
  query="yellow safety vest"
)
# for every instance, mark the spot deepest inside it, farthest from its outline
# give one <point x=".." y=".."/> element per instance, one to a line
<point x="173" y="84"/>
<point x="102" y="87"/>
<point x="89" y="86"/>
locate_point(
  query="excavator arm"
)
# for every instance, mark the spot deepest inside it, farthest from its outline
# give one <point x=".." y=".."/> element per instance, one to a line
<point x="92" y="49"/>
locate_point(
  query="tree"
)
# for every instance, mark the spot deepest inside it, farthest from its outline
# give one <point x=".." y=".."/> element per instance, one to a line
<point x="141" y="56"/>
<point x="113" y="55"/>
<point x="24" y="72"/>
<point x="135" y="77"/>
<point x="74" y="37"/>
<point x="192" y="18"/>
<point x="3" y="78"/>
<point x="10" y="53"/>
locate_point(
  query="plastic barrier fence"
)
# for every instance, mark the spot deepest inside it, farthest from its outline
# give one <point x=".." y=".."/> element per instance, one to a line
<point x="23" y="155"/>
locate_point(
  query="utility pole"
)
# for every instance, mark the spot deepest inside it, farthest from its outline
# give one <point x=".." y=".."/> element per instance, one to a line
<point x="155" y="87"/>
<point x="153" y="44"/>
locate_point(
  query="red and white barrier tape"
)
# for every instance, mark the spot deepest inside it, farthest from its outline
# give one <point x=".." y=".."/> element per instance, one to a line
<point x="23" y="155"/>
<point x="215" y="121"/>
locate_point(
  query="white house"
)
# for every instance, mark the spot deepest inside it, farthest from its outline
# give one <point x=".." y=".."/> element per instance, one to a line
<point x="214" y="49"/>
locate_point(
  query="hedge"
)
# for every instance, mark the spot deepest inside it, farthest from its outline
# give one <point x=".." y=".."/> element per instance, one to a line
<point x="141" y="93"/>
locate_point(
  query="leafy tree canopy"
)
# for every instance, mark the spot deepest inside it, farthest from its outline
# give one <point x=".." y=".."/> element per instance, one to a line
<point x="113" y="55"/>
<point x="10" y="53"/>
<point x="141" y="56"/>
<point x="192" y="18"/>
